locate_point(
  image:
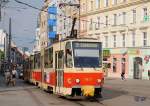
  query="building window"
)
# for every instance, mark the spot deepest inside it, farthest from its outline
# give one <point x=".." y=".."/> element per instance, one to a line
<point x="64" y="23"/>
<point x="144" y="38"/>
<point x="123" y="40"/>
<point x="106" y="41"/>
<point x="133" y="38"/>
<point x="106" y="3"/>
<point x="114" y="64"/>
<point x="97" y="2"/>
<point x="97" y="24"/>
<point x="106" y="20"/>
<point x="124" y="18"/>
<point x="145" y="13"/>
<point x="84" y="25"/>
<point x="123" y="0"/>
<point x="115" y="19"/>
<point x="91" y="24"/>
<point x="83" y="7"/>
<point x="91" y="5"/>
<point x="134" y="16"/>
<point x="114" y="2"/>
<point x="114" y="37"/>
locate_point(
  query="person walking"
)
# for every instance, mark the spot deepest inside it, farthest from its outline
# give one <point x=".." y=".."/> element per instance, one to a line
<point x="123" y="75"/>
<point x="123" y="71"/>
<point x="7" y="77"/>
<point x="14" y="73"/>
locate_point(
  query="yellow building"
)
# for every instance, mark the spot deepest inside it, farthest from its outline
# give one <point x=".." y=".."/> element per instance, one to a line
<point x="120" y="25"/>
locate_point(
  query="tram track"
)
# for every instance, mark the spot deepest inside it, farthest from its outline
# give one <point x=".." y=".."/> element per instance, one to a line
<point x="33" y="96"/>
<point x="86" y="102"/>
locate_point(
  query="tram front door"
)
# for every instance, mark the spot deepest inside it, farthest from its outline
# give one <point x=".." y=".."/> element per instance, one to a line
<point x="59" y="67"/>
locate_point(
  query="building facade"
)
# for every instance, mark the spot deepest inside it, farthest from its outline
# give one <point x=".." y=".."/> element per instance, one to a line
<point x="43" y="25"/>
<point x="37" y="41"/>
<point x="3" y="40"/>
<point x="124" y="28"/>
<point x="60" y="19"/>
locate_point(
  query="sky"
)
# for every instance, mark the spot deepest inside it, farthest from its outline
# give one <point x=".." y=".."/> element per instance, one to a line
<point x="24" y="21"/>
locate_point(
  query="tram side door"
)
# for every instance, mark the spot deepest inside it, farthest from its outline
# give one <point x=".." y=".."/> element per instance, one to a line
<point x="59" y="67"/>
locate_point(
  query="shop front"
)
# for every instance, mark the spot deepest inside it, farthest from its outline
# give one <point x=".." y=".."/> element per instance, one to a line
<point x="139" y="63"/>
<point x="117" y="63"/>
<point x="134" y="62"/>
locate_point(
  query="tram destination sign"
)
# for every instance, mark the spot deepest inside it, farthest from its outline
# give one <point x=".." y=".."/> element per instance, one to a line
<point x="86" y="45"/>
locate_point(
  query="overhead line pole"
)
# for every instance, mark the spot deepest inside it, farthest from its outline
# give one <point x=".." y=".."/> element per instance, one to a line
<point x="9" y="46"/>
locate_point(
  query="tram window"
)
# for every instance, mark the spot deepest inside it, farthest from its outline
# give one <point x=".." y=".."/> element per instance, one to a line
<point x="100" y="54"/>
<point x="37" y="61"/>
<point x="68" y="55"/>
<point x="32" y="62"/>
<point x="51" y="57"/>
<point x="61" y="60"/>
<point x="46" y="58"/>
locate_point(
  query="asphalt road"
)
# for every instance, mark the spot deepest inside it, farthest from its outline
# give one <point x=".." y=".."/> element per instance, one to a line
<point x="115" y="93"/>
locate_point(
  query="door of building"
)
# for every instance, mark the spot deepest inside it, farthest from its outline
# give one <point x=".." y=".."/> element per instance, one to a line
<point x="137" y="74"/>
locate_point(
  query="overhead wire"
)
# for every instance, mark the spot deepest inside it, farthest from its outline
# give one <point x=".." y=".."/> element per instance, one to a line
<point x="60" y="15"/>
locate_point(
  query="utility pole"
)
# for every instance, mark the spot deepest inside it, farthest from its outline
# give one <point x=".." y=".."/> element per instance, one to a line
<point x="9" y="45"/>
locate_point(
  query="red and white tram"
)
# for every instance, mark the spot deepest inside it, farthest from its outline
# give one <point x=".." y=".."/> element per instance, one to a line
<point x="70" y="67"/>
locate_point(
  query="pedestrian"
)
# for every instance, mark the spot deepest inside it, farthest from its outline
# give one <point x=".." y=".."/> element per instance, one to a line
<point x="123" y="75"/>
<point x="149" y="74"/>
<point x="7" y="77"/>
<point x="14" y="72"/>
<point x="123" y="71"/>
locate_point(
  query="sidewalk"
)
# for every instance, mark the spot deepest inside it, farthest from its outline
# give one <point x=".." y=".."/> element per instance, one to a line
<point x="2" y="81"/>
<point x="19" y="85"/>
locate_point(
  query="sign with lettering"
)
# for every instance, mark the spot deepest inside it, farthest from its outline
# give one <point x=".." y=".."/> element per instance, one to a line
<point x="106" y="53"/>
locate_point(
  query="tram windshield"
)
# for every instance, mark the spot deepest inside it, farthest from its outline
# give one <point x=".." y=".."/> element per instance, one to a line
<point x="87" y="54"/>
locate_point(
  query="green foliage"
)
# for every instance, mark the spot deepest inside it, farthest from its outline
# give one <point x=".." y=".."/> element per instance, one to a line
<point x="1" y="55"/>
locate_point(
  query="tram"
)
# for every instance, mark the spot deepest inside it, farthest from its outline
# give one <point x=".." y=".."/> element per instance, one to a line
<point x="71" y="67"/>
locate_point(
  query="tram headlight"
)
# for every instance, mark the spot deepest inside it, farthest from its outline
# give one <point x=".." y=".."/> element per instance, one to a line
<point x="98" y="80"/>
<point x="77" y="81"/>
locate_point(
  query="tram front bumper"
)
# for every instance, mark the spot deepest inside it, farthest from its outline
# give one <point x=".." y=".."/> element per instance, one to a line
<point x="88" y="90"/>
